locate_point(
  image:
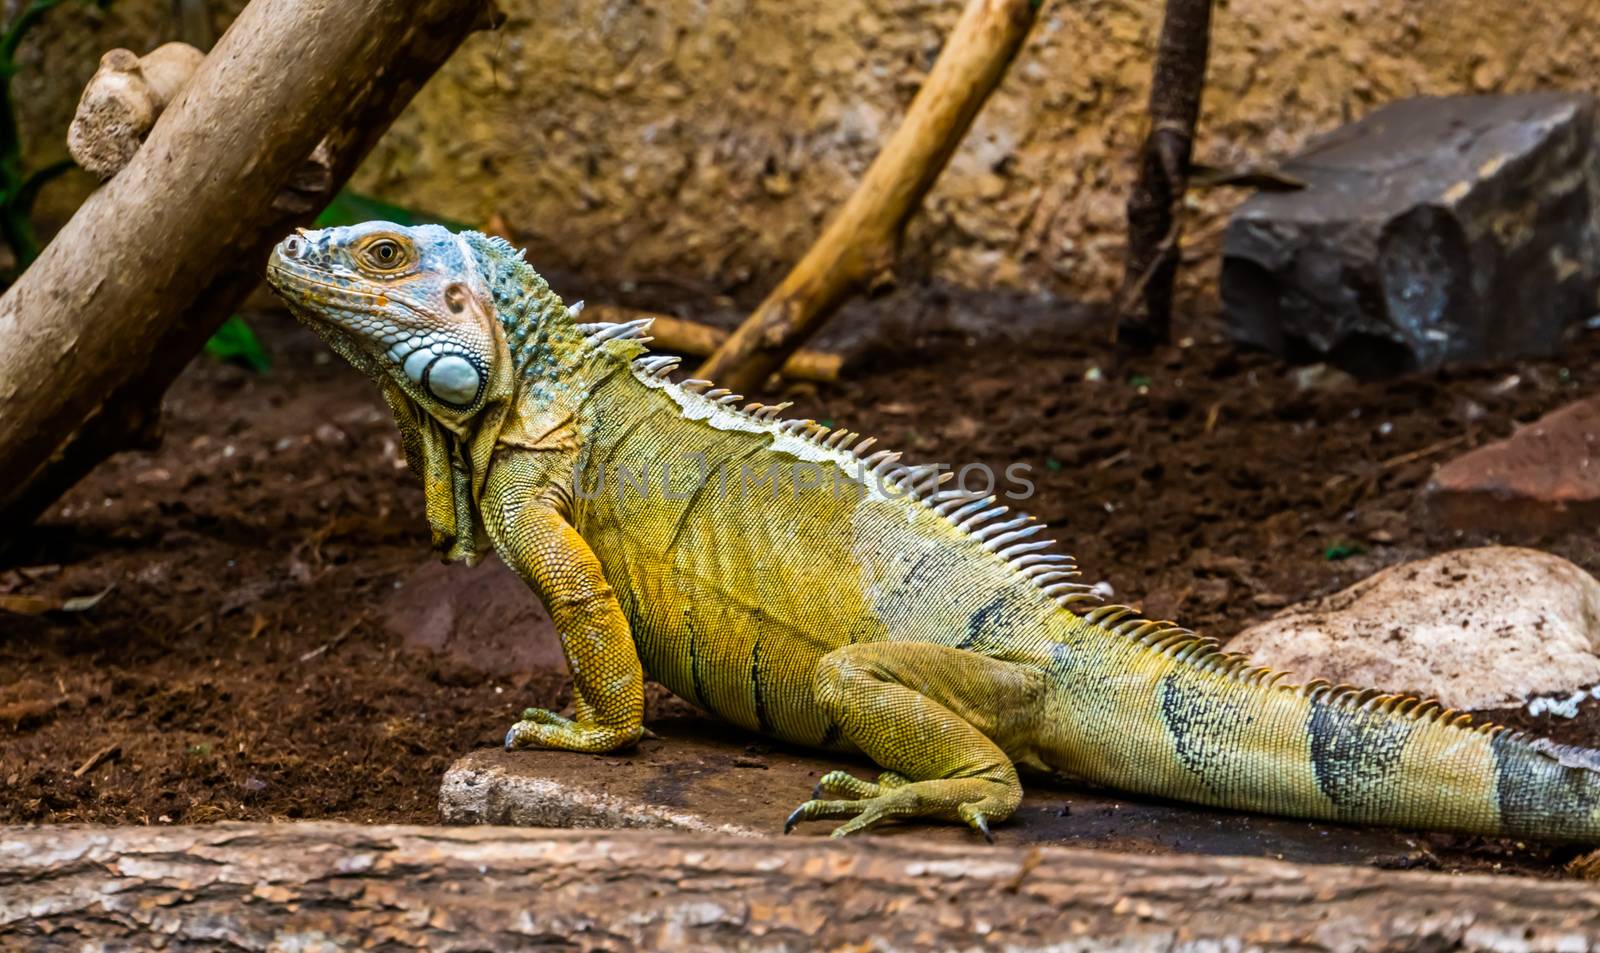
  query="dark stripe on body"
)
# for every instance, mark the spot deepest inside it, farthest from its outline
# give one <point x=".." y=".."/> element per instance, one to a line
<point x="755" y="685"/>
<point x="1352" y="753"/>
<point x="983" y="623"/>
<point x="694" y="664"/>
<point x="1540" y="797"/>
<point x="700" y="490"/>
<point x="1203" y="726"/>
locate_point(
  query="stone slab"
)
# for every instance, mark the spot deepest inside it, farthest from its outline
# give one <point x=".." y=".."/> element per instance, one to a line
<point x="1434" y="231"/>
<point x="699" y="775"/>
<point x="1543" y="479"/>
<point x="1475" y="628"/>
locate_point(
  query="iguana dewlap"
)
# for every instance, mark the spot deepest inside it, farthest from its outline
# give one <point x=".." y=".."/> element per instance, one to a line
<point x="789" y="579"/>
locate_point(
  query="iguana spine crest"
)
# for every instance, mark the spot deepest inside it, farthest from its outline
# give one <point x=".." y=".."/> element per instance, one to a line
<point x="1049" y="572"/>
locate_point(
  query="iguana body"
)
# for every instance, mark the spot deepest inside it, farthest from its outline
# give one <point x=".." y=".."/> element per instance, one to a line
<point x="842" y="600"/>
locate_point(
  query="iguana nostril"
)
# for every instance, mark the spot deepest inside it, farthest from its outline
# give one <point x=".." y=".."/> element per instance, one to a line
<point x="294" y="246"/>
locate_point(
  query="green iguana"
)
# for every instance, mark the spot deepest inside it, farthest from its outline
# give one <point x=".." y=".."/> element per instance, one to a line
<point x="780" y="575"/>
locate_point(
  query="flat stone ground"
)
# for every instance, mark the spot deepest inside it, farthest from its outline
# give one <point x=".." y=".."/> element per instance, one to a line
<point x="700" y="775"/>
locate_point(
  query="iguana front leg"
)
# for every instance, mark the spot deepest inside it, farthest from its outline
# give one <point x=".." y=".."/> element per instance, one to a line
<point x="536" y="540"/>
<point x="933" y="716"/>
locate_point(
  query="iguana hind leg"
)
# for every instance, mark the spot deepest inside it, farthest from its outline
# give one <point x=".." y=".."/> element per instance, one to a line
<point x="933" y="716"/>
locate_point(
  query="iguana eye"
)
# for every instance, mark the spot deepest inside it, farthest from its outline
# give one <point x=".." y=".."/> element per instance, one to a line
<point x="385" y="254"/>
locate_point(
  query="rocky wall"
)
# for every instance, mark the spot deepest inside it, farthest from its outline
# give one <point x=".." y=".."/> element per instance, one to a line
<point x="700" y="143"/>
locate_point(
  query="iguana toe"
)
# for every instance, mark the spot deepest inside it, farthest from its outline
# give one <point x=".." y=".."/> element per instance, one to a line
<point x="540" y="728"/>
<point x="525" y="733"/>
<point x="846" y="786"/>
<point x="814" y="810"/>
<point x="971" y="800"/>
<point x="860" y="813"/>
<point x="544" y="716"/>
<point x="842" y="785"/>
<point x="521" y="735"/>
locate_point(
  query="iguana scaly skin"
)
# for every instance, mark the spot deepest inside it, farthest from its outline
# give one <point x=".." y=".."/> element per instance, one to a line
<point x="872" y="612"/>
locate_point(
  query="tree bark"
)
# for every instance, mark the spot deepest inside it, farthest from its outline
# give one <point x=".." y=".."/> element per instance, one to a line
<point x="862" y="241"/>
<point x="1155" y="208"/>
<point x="96" y="329"/>
<point x="344" y="886"/>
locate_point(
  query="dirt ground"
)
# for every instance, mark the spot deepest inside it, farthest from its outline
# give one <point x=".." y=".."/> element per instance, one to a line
<point x="236" y="670"/>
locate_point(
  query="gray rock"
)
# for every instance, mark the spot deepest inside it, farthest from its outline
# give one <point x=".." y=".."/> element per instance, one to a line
<point x="1477" y="629"/>
<point x="494" y="787"/>
<point x="1434" y="231"/>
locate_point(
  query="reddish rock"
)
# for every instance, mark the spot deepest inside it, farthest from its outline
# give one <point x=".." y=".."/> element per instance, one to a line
<point x="484" y="617"/>
<point x="1543" y="479"/>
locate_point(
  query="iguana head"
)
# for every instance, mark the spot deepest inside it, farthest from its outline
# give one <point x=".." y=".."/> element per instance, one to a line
<point x="419" y="310"/>
<point x="403" y="304"/>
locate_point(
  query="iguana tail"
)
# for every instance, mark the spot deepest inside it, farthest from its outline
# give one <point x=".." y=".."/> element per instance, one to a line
<point x="1233" y="735"/>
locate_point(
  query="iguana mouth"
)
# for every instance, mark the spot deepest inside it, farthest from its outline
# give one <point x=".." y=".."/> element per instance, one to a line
<point x="292" y="283"/>
<point x="302" y="284"/>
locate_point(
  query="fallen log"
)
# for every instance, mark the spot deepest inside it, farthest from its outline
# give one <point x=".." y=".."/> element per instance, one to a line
<point x="342" y="886"/>
<point x="700" y="340"/>
<point x="96" y="329"/>
<point x="861" y="243"/>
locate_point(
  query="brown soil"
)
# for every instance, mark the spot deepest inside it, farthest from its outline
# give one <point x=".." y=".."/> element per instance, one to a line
<point x="236" y="671"/>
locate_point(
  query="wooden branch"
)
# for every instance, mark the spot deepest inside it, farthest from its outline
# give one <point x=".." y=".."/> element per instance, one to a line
<point x="96" y="329"/>
<point x="1155" y="207"/>
<point x="862" y="241"/>
<point x="699" y="340"/>
<point x="345" y="886"/>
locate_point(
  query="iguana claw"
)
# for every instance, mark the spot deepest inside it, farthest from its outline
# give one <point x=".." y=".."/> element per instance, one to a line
<point x="977" y="821"/>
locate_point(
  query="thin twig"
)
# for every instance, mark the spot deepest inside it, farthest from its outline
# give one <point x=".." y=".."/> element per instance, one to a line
<point x="108" y="753"/>
<point x="343" y="634"/>
<point x="1427" y="451"/>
